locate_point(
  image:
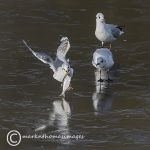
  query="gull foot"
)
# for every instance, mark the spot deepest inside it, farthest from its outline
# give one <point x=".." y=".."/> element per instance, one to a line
<point x="100" y="80"/>
<point x="62" y="95"/>
<point x="109" y="80"/>
<point x="70" y="88"/>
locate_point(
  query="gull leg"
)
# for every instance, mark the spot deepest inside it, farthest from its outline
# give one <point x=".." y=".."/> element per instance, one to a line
<point x="100" y="80"/>
<point x="108" y="80"/>
<point x="110" y="45"/>
<point x="102" y="44"/>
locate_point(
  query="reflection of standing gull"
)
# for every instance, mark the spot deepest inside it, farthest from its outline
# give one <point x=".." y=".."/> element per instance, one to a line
<point x="102" y="100"/>
<point x="61" y="67"/>
<point x="106" y="32"/>
<point x="103" y="61"/>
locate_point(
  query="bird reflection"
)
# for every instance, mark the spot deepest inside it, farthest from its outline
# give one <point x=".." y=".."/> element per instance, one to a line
<point x="102" y="97"/>
<point x="58" y="119"/>
<point x="60" y="115"/>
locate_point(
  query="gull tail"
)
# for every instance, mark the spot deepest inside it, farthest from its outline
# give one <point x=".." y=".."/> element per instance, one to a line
<point x="121" y="29"/>
<point x="66" y="85"/>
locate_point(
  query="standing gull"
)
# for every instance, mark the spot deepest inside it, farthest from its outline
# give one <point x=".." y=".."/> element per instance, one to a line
<point x="103" y="61"/>
<point x="61" y="67"/>
<point x="106" y="33"/>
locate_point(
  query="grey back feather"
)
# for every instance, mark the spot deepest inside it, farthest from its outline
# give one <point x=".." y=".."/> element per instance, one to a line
<point x="115" y="32"/>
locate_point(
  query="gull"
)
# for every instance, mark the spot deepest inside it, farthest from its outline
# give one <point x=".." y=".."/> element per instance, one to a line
<point x="106" y="33"/>
<point x="60" y="67"/>
<point x="103" y="61"/>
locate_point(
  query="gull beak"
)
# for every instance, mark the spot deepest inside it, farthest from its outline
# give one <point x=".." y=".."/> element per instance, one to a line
<point x="66" y="72"/>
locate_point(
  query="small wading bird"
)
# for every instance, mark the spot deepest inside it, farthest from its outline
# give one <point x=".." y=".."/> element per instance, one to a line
<point x="103" y="61"/>
<point x="61" y="67"/>
<point x="106" y="33"/>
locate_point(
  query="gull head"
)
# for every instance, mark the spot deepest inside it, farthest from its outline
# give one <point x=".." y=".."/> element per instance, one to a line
<point x="66" y="68"/>
<point x="101" y="62"/>
<point x="100" y="17"/>
<point x="64" y="39"/>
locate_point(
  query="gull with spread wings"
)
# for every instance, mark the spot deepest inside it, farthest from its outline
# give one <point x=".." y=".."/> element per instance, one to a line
<point x="61" y="67"/>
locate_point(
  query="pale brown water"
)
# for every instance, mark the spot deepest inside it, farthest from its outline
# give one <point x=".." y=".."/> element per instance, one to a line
<point x="118" y="119"/>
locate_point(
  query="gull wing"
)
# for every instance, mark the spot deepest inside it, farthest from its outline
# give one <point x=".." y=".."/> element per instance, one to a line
<point x="115" y="30"/>
<point x="42" y="57"/>
<point x="63" y="49"/>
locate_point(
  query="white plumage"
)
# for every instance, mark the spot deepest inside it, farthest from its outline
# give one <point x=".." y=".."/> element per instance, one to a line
<point x="103" y="59"/>
<point x="106" y="33"/>
<point x="61" y="67"/>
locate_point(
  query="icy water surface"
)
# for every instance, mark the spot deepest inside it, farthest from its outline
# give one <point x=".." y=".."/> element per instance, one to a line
<point x="114" y="117"/>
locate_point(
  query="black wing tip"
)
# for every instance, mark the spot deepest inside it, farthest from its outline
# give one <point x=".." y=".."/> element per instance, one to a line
<point x="121" y="27"/>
